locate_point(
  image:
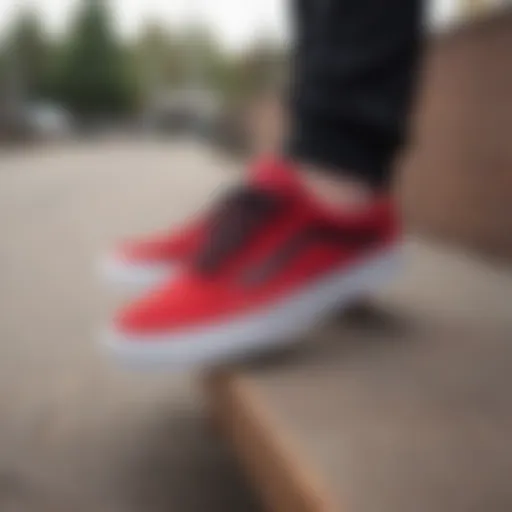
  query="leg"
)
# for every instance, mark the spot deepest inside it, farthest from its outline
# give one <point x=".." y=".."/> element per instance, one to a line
<point x="357" y="61"/>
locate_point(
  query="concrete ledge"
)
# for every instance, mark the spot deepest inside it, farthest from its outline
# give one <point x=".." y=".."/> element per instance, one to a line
<point x="285" y="479"/>
<point x="364" y="421"/>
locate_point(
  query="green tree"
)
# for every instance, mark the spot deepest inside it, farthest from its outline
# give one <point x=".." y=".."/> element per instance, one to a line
<point x="262" y="66"/>
<point x="158" y="60"/>
<point x="26" y="56"/>
<point x="201" y="54"/>
<point x="94" y="78"/>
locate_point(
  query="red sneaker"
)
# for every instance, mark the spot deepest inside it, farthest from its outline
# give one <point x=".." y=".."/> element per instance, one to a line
<point x="148" y="262"/>
<point x="145" y="263"/>
<point x="273" y="264"/>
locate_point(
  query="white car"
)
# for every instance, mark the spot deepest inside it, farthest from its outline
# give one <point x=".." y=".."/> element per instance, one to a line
<point x="47" y="120"/>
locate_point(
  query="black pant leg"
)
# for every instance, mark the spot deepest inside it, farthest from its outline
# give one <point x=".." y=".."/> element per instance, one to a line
<point x="355" y="64"/>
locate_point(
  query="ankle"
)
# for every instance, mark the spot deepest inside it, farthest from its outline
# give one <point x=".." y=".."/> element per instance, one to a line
<point x="335" y="191"/>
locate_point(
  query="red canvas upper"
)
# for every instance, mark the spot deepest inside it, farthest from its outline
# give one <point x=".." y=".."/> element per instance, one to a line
<point x="180" y="244"/>
<point x="250" y="278"/>
<point x="165" y="247"/>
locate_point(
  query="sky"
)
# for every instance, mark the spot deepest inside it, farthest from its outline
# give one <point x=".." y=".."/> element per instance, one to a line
<point x="236" y="22"/>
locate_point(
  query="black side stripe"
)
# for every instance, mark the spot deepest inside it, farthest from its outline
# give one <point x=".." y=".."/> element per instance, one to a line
<point x="268" y="268"/>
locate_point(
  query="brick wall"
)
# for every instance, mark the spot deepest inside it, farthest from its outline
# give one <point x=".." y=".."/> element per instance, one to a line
<point x="456" y="179"/>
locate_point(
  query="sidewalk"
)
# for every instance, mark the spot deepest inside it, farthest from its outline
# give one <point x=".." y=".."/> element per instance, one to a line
<point x="77" y="434"/>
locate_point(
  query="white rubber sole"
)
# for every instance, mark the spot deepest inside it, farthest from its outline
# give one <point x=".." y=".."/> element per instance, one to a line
<point x="137" y="277"/>
<point x="278" y="325"/>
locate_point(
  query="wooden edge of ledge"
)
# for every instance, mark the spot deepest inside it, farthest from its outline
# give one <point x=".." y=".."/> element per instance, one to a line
<point x="286" y="481"/>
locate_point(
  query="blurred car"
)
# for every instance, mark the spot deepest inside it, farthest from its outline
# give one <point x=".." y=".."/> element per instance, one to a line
<point x="185" y="111"/>
<point x="47" y="120"/>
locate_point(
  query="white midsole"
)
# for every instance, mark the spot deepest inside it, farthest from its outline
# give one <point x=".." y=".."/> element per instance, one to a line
<point x="275" y="326"/>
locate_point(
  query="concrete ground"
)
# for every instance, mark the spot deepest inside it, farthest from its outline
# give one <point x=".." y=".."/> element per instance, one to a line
<point x="77" y="433"/>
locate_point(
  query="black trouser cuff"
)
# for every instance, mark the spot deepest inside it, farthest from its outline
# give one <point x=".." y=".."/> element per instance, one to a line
<point x="358" y="153"/>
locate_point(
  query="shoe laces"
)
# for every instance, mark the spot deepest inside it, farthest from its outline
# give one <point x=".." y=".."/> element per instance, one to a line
<point x="240" y="215"/>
